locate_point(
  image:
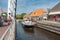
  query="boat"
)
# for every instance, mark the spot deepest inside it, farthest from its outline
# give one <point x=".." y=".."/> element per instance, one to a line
<point x="28" y="23"/>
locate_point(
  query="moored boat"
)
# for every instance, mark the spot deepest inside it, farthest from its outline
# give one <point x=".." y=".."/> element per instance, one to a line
<point x="28" y="23"/>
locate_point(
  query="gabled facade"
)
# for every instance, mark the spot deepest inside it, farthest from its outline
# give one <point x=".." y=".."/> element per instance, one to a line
<point x="0" y="12"/>
<point x="55" y="9"/>
<point x="37" y="14"/>
<point x="26" y="16"/>
<point x="55" y="12"/>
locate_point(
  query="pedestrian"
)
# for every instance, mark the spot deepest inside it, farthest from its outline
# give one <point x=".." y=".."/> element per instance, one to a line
<point x="10" y="20"/>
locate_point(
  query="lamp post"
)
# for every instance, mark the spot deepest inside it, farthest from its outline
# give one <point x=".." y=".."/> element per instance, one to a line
<point x="15" y="3"/>
<point x="15" y="8"/>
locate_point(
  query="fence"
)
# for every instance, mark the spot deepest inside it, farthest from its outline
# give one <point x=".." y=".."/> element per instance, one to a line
<point x="9" y="33"/>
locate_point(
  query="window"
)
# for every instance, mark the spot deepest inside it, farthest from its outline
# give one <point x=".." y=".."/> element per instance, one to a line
<point x="35" y="13"/>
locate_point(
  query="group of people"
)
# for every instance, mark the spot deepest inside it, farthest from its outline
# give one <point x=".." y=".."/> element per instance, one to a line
<point x="5" y="20"/>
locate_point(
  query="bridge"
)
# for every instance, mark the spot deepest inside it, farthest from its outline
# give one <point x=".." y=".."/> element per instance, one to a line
<point x="8" y="32"/>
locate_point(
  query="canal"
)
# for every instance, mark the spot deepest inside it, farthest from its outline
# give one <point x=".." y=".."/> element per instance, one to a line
<point x="35" y="34"/>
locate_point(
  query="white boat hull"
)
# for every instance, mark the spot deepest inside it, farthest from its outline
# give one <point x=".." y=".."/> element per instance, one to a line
<point x="28" y="25"/>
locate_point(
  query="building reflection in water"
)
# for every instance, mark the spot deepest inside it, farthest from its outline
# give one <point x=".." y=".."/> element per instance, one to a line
<point x="29" y="30"/>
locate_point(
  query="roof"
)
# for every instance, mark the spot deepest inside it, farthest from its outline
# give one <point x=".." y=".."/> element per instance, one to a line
<point x="27" y="15"/>
<point x="56" y="8"/>
<point x="37" y="12"/>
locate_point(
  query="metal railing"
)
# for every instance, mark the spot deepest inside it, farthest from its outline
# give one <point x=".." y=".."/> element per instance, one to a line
<point x="9" y="33"/>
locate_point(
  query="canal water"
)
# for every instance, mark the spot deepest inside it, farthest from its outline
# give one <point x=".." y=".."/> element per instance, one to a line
<point x="34" y="34"/>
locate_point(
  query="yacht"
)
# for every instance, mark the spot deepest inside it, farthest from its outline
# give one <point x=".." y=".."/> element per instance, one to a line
<point x="28" y="23"/>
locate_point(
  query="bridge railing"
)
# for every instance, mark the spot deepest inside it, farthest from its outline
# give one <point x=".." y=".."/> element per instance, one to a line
<point x="9" y="33"/>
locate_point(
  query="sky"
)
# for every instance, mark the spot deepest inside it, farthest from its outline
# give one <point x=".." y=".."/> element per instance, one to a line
<point x="27" y="6"/>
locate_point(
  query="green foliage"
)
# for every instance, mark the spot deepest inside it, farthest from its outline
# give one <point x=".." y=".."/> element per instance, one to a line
<point x="20" y="16"/>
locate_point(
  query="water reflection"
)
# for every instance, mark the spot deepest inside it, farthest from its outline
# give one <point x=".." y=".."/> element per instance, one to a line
<point x="34" y="34"/>
<point x="29" y="30"/>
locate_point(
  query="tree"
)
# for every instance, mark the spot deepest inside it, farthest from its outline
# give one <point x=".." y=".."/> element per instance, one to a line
<point x="18" y="16"/>
<point x="22" y="15"/>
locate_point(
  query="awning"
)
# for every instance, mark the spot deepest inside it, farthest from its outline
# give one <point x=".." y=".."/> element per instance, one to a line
<point x="54" y="13"/>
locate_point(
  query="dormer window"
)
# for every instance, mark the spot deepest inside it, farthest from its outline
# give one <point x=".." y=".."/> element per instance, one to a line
<point x="35" y="13"/>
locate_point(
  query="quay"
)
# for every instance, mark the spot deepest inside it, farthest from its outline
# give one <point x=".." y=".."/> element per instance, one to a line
<point x="49" y="25"/>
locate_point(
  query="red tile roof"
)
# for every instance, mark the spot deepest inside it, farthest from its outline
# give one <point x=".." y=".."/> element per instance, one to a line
<point x="37" y="12"/>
